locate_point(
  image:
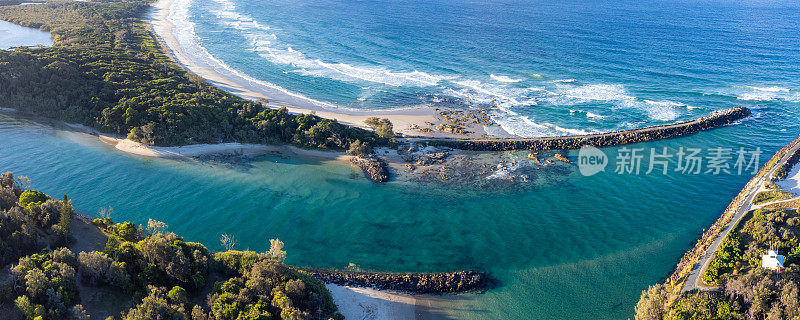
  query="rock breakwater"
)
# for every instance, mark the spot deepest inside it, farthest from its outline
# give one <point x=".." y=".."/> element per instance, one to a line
<point x="716" y="119"/>
<point x="412" y="283"/>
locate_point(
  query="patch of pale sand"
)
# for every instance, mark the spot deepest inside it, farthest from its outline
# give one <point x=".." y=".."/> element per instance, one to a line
<point x="363" y="303"/>
<point x="103" y="302"/>
<point x="77" y="132"/>
<point x="232" y="148"/>
<point x="403" y="120"/>
<point x="792" y="181"/>
<point x="371" y="304"/>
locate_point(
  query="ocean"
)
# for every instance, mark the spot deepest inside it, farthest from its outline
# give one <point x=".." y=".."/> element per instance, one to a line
<point x="549" y="67"/>
<point x="567" y="247"/>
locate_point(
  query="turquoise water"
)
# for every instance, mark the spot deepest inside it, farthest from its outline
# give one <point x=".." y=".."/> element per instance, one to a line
<point x="551" y="67"/>
<point x="12" y="35"/>
<point x="573" y="248"/>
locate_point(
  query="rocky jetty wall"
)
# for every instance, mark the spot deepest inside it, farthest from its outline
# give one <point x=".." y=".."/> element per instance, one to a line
<point x="412" y="283"/>
<point x="716" y="119"/>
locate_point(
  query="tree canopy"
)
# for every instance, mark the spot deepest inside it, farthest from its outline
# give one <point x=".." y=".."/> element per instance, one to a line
<point x="107" y="71"/>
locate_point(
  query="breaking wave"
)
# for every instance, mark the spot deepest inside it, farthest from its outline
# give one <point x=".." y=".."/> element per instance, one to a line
<point x="511" y="99"/>
<point x="504" y="79"/>
<point x="772" y="93"/>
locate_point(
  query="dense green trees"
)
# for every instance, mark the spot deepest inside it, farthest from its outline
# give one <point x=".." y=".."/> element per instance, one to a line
<point x="383" y="127"/>
<point x="758" y="231"/>
<point x="167" y="277"/>
<point x="270" y="289"/>
<point x="703" y="306"/>
<point x="29" y="220"/>
<point x="46" y="283"/>
<point x="106" y="71"/>
<point x="747" y="290"/>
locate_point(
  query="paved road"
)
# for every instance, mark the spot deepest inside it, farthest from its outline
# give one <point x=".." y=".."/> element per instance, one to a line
<point x="693" y="281"/>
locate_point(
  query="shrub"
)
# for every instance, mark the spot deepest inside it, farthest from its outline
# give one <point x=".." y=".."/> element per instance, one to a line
<point x="156" y="306"/>
<point x="49" y="285"/>
<point x="127" y="231"/>
<point x="703" y="306"/>
<point x="32" y="196"/>
<point x="383" y="127"/>
<point x="178" y="295"/>
<point x="235" y="262"/>
<point x="358" y="148"/>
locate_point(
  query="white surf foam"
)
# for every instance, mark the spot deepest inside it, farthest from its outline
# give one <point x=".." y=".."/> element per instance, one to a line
<point x="588" y="114"/>
<point x="769" y="89"/>
<point x="597" y="92"/>
<point x="266" y="44"/>
<point x="504" y="79"/>
<point x="594" y="115"/>
<point x="189" y="42"/>
<point x="498" y="90"/>
<point x="772" y="93"/>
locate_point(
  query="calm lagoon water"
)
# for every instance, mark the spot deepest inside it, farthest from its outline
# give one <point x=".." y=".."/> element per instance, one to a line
<point x="574" y="248"/>
<point x="12" y="35"/>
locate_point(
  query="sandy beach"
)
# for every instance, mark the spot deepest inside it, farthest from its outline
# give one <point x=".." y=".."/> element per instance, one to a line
<point x="366" y="303"/>
<point x="404" y="120"/>
<point x="199" y="150"/>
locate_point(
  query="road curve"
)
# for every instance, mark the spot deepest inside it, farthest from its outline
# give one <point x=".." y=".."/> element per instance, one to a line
<point x="694" y="280"/>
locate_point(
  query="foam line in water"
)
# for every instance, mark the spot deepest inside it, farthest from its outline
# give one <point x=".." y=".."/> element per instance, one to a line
<point x="769" y="89"/>
<point x="598" y="92"/>
<point x="500" y="91"/>
<point x="189" y="42"/>
<point x="504" y="79"/>
<point x="266" y="44"/>
<point x="588" y="114"/>
<point x="771" y="93"/>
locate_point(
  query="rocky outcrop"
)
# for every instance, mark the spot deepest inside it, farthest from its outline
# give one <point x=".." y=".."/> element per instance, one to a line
<point x="716" y="119"/>
<point x="427" y="159"/>
<point x="561" y="158"/>
<point x="374" y="168"/>
<point x="413" y="283"/>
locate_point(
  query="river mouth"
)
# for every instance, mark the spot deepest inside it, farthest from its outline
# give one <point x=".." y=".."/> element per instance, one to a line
<point x="620" y="232"/>
<point x="569" y="247"/>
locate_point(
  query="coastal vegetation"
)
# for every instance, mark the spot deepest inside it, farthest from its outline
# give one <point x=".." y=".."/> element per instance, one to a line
<point x="771" y="195"/>
<point x="164" y="276"/>
<point x="29" y="220"/>
<point x="747" y="291"/>
<point x="383" y="127"/>
<point x="743" y="289"/>
<point x="106" y="70"/>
